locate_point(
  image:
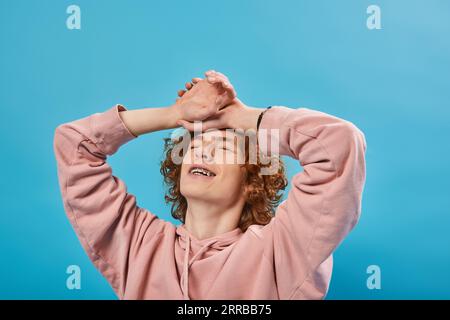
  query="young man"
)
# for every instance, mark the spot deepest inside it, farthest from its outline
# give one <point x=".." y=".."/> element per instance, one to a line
<point x="229" y="245"/>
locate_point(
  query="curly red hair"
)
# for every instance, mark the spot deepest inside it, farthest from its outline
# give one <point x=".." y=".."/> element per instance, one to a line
<point x="263" y="193"/>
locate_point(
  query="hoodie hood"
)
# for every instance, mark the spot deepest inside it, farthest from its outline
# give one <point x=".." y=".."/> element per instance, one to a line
<point x="195" y="249"/>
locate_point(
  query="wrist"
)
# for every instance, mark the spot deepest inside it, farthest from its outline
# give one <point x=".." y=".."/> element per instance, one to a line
<point x="174" y="113"/>
<point x="248" y="119"/>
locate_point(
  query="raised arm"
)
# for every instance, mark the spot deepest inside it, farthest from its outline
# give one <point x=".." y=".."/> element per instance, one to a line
<point x="106" y="218"/>
<point x="199" y="103"/>
<point x="324" y="202"/>
<point x="110" y="225"/>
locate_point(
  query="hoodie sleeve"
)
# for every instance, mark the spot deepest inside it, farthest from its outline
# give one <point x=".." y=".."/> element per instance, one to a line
<point x="324" y="202"/>
<point x="108" y="223"/>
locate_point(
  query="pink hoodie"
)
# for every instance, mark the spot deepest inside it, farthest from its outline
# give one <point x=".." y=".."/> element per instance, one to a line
<point x="144" y="257"/>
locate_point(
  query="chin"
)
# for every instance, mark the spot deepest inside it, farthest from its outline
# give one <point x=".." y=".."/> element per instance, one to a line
<point x="193" y="191"/>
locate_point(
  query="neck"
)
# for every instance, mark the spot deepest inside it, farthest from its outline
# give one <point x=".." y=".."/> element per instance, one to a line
<point x="205" y="219"/>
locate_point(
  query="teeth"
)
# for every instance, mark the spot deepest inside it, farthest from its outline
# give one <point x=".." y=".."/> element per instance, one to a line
<point x="201" y="171"/>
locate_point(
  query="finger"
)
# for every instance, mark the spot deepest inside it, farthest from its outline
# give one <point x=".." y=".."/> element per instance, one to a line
<point x="212" y="124"/>
<point x="227" y="93"/>
<point x="226" y="88"/>
<point x="218" y="121"/>
<point x="195" y="80"/>
<point x="223" y="84"/>
<point x="220" y="101"/>
<point x="186" y="124"/>
<point x="220" y="79"/>
<point x="211" y="76"/>
<point x="223" y="79"/>
<point x="226" y="84"/>
<point x="181" y="92"/>
<point x="221" y="75"/>
<point x="231" y="92"/>
<point x="211" y="79"/>
<point x="206" y="125"/>
<point x="188" y="85"/>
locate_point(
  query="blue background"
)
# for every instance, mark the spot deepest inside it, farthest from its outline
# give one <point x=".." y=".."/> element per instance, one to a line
<point x="392" y="83"/>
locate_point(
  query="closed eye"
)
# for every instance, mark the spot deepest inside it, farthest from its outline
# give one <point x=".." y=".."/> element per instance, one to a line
<point x="228" y="148"/>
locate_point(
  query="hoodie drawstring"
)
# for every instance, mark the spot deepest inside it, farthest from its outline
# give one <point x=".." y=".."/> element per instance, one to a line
<point x="187" y="264"/>
<point x="201" y="247"/>
<point x="185" y="279"/>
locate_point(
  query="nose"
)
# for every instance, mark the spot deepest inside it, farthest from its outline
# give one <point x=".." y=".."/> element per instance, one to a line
<point x="206" y="153"/>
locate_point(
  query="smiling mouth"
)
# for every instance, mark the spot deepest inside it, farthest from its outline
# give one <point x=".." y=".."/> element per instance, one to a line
<point x="201" y="172"/>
